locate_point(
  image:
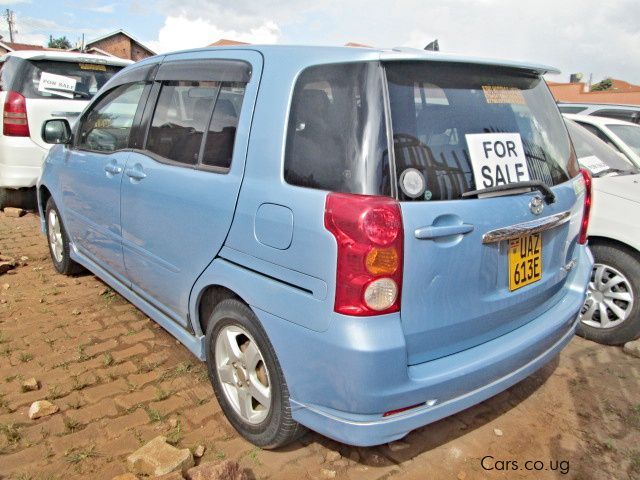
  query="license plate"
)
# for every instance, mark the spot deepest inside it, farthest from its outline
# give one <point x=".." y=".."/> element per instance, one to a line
<point x="525" y="261"/>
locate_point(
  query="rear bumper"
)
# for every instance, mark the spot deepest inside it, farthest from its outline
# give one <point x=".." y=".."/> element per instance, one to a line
<point x="20" y="162"/>
<point x="342" y="381"/>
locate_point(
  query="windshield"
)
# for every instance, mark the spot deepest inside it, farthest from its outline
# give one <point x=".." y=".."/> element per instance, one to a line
<point x="629" y="134"/>
<point x="444" y="115"/>
<point x="595" y="155"/>
<point x="66" y="80"/>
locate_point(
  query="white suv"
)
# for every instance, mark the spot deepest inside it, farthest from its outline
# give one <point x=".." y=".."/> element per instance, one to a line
<point x="36" y="86"/>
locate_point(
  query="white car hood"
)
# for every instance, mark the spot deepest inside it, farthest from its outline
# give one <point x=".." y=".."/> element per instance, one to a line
<point x="623" y="186"/>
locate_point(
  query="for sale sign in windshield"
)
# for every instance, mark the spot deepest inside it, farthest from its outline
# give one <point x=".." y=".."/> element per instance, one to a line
<point x="497" y="159"/>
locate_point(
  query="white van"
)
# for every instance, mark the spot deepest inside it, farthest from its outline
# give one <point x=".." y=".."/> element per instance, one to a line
<point x="35" y="86"/>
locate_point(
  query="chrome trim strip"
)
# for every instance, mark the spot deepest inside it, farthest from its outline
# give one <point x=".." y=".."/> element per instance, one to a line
<point x="526" y="228"/>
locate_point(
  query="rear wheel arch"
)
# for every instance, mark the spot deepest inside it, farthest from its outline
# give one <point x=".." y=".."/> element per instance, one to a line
<point x="208" y="299"/>
<point x="611" y="242"/>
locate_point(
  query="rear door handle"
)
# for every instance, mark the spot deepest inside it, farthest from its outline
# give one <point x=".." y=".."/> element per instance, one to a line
<point x="113" y="168"/>
<point x="135" y="173"/>
<point x="427" y="233"/>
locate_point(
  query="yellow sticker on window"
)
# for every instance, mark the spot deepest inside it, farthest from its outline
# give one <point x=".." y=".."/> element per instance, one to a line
<point x="92" y="66"/>
<point x="498" y="94"/>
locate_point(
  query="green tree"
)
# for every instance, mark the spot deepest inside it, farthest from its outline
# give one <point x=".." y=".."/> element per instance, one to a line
<point x="60" y="42"/>
<point x="605" y="84"/>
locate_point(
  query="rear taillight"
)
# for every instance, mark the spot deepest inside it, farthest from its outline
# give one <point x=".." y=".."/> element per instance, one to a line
<point x="368" y="230"/>
<point x="582" y="239"/>
<point x="15" y="123"/>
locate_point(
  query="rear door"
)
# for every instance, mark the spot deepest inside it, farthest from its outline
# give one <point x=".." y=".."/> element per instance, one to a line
<point x="180" y="189"/>
<point x="478" y="266"/>
<point x="60" y="89"/>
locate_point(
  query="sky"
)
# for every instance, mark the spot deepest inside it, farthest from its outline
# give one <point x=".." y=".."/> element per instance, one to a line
<point x="597" y="37"/>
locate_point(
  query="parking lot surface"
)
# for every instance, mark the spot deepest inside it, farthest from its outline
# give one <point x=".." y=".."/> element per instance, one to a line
<point x="120" y="380"/>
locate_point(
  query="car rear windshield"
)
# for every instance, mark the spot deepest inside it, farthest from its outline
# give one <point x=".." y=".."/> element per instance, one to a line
<point x="65" y="80"/>
<point x="588" y="145"/>
<point x="629" y="134"/>
<point x="435" y="106"/>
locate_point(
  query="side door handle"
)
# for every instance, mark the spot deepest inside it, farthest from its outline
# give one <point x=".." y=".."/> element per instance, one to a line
<point x="434" y="231"/>
<point x="135" y="172"/>
<point x="113" y="168"/>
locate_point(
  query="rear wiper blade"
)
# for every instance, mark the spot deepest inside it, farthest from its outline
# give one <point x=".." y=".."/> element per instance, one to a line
<point x="549" y="196"/>
<point x="64" y="90"/>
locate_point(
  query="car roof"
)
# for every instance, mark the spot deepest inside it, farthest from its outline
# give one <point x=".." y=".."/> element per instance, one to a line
<point x="594" y="120"/>
<point x="320" y="54"/>
<point x="66" y="56"/>
<point x="600" y="105"/>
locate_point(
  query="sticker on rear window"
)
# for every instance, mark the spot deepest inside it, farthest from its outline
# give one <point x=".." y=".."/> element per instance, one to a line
<point x="92" y="66"/>
<point x="498" y="94"/>
<point x="57" y="84"/>
<point x="593" y="164"/>
<point x="497" y="159"/>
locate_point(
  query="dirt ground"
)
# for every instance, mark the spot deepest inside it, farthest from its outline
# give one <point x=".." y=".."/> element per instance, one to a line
<point x="121" y="380"/>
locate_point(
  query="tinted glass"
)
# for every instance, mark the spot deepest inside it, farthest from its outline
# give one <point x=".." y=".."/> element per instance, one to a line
<point x="587" y="145"/>
<point x="180" y="119"/>
<point x="567" y="109"/>
<point x="435" y="105"/>
<point x="83" y="78"/>
<point x="106" y="127"/>
<point x="218" y="147"/>
<point x="336" y="137"/>
<point x="629" y="134"/>
<point x="619" y="114"/>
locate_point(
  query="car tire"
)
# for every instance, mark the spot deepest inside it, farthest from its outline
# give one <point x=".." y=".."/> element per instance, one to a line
<point x="58" y="241"/>
<point x="622" y="267"/>
<point x="241" y="362"/>
<point x="20" y="198"/>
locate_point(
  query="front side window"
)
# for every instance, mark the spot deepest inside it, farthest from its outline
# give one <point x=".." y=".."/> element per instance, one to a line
<point x="598" y="133"/>
<point x="107" y="125"/>
<point x="437" y="107"/>
<point x="336" y="138"/>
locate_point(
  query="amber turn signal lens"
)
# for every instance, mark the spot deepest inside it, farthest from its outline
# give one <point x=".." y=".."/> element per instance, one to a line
<point x="382" y="261"/>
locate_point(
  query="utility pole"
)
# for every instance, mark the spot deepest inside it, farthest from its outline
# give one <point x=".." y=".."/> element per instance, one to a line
<point x="10" y="17"/>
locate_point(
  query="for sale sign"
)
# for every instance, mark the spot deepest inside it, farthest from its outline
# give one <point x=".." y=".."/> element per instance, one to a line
<point x="497" y="159"/>
<point x="57" y="84"/>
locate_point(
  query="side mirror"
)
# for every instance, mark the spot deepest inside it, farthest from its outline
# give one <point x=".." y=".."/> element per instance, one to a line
<point x="56" y="131"/>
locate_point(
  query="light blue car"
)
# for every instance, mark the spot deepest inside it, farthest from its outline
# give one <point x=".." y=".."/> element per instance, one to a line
<point x="357" y="241"/>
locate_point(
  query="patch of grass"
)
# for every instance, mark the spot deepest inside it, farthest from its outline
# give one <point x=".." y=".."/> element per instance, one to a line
<point x="609" y="444"/>
<point x="253" y="455"/>
<point x="634" y="456"/>
<point x="55" y="392"/>
<point x="4" y="403"/>
<point x="161" y="394"/>
<point x="154" y="415"/>
<point x="6" y="351"/>
<point x="3" y="338"/>
<point x="80" y="454"/>
<point x="82" y="355"/>
<point x="150" y="366"/>
<point x="75" y="405"/>
<point x="175" y="435"/>
<point x="25" y="357"/>
<point x="72" y="425"/>
<point x="10" y="378"/>
<point x="183" y="368"/>
<point x="107" y="359"/>
<point x="220" y="455"/>
<point x="49" y="341"/>
<point x="11" y="432"/>
<point x="131" y="331"/>
<point x="23" y="476"/>
<point x="79" y="384"/>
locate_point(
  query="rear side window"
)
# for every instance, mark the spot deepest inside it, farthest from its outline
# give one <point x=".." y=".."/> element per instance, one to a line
<point x="434" y="106"/>
<point x="619" y="114"/>
<point x="65" y="80"/>
<point x="186" y="126"/>
<point x="336" y="138"/>
<point x="629" y="134"/>
<point x="107" y="125"/>
<point x="568" y="109"/>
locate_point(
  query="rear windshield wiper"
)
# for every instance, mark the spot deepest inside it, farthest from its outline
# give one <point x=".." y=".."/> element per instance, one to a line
<point x="549" y="196"/>
<point x="64" y="90"/>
